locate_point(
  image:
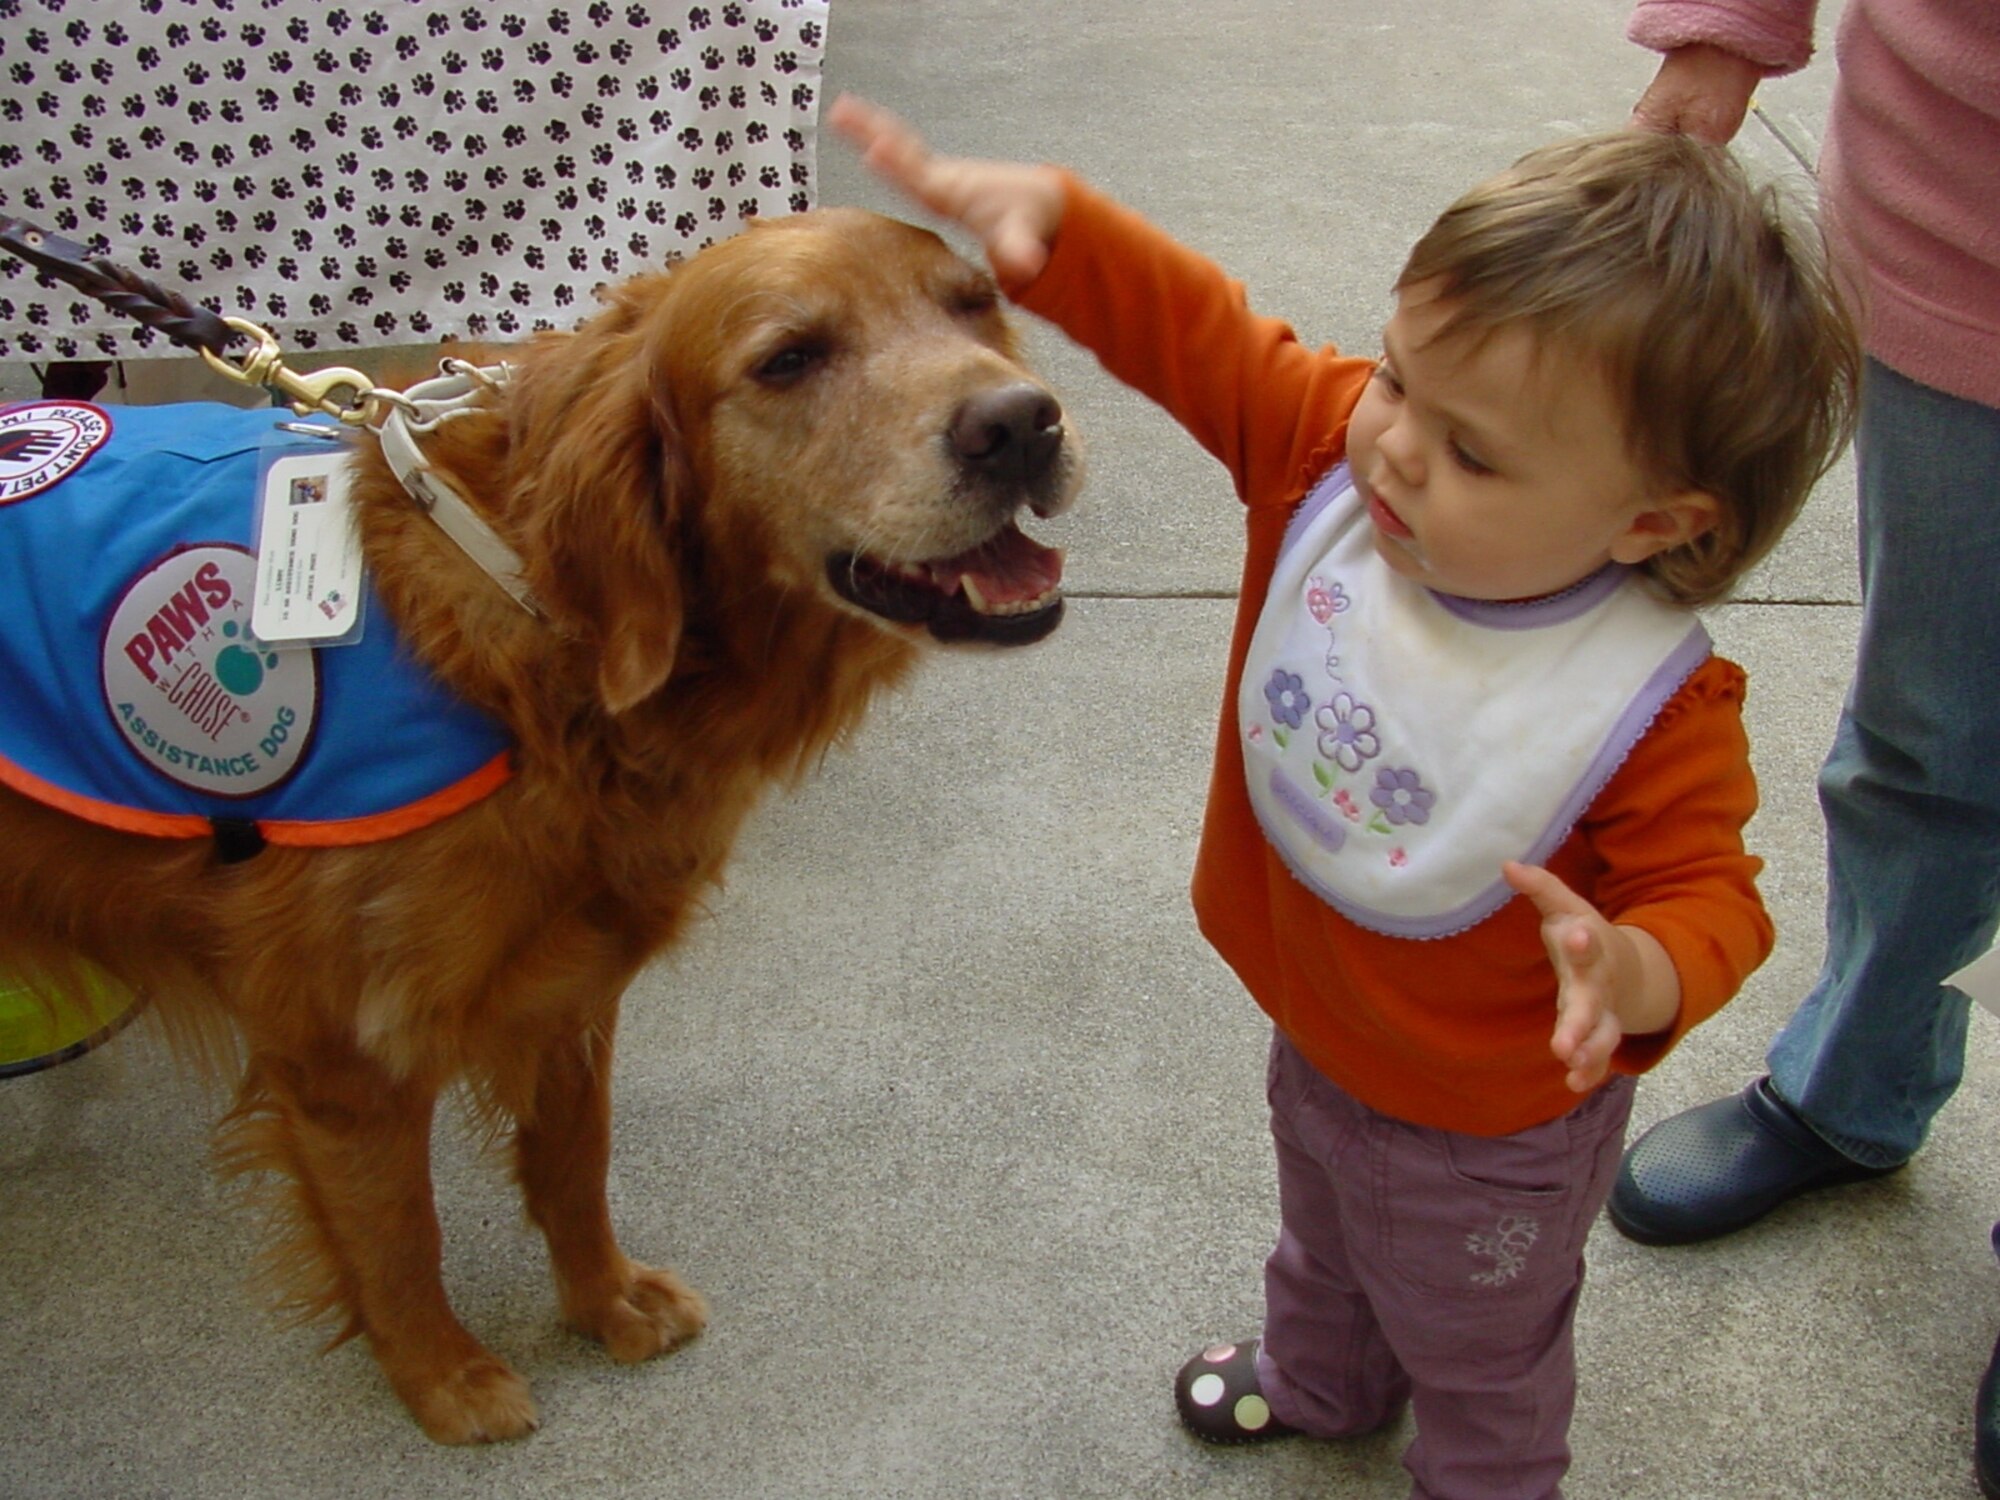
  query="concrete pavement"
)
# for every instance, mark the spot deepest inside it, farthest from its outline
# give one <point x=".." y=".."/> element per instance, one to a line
<point x="948" y="1109"/>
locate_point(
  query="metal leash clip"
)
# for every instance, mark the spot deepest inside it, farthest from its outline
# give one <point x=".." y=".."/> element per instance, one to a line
<point x="346" y="394"/>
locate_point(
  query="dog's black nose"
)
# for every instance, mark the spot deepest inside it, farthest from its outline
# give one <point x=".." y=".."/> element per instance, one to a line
<point x="1012" y="433"/>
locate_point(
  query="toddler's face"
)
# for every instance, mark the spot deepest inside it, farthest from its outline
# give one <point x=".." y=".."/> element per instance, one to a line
<point x="1497" y="468"/>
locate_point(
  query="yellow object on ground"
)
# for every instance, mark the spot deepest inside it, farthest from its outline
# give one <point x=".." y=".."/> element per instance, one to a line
<point x="35" y="1034"/>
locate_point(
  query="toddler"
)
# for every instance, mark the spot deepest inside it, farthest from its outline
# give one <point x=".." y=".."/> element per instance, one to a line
<point x="1474" y="834"/>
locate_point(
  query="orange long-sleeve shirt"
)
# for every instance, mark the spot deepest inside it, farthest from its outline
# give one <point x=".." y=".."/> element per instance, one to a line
<point x="1451" y="1033"/>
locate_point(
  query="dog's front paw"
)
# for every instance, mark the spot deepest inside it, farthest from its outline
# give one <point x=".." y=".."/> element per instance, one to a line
<point x="481" y="1401"/>
<point x="650" y="1313"/>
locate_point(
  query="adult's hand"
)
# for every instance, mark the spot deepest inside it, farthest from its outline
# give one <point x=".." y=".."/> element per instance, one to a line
<point x="1700" y="91"/>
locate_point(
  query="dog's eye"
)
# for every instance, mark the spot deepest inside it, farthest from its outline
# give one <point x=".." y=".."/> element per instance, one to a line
<point x="975" y="300"/>
<point x="791" y="364"/>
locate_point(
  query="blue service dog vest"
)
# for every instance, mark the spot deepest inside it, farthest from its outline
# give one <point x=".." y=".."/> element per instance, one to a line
<point x="132" y="692"/>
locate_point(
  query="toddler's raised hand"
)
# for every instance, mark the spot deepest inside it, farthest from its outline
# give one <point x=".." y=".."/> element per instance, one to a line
<point x="1012" y="207"/>
<point x="1610" y="980"/>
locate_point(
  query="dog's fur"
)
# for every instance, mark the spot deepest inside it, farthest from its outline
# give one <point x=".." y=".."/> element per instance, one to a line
<point x="705" y="483"/>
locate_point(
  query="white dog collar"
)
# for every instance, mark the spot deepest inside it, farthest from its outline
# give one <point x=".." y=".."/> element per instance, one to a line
<point x="424" y="408"/>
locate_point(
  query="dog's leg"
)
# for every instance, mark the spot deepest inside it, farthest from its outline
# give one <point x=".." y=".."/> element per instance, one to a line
<point x="562" y="1156"/>
<point x="356" y="1143"/>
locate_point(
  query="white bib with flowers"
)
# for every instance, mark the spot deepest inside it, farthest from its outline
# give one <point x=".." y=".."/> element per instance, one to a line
<point x="1401" y="743"/>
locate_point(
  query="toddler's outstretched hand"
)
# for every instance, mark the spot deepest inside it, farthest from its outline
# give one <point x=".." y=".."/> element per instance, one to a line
<point x="1013" y="208"/>
<point x="1610" y="980"/>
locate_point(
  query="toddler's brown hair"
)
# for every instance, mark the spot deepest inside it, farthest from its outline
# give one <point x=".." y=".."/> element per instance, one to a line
<point x="1709" y="302"/>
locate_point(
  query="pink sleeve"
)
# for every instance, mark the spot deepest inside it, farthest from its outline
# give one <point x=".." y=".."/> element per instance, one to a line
<point x="1777" y="35"/>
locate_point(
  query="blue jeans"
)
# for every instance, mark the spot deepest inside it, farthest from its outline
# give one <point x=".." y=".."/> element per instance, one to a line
<point x="1911" y="788"/>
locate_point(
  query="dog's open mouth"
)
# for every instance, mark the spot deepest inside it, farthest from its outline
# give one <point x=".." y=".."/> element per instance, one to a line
<point x="1007" y="591"/>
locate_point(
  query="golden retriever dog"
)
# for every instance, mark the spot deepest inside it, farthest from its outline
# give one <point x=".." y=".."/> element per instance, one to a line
<point x="742" y="495"/>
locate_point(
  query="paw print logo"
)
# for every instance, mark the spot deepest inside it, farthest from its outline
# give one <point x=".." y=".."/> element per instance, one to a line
<point x="240" y="666"/>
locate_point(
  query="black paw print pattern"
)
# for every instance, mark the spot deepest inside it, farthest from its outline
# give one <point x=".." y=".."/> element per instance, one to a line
<point x="368" y="172"/>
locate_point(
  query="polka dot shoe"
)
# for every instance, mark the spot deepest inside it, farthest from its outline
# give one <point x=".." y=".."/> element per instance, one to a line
<point x="1217" y="1395"/>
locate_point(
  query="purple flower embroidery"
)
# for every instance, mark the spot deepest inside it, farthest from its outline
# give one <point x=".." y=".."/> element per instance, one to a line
<point x="1403" y="796"/>
<point x="1286" y="694"/>
<point x="1347" y="732"/>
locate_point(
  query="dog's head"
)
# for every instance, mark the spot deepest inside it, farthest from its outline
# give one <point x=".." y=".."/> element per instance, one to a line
<point x="827" y="410"/>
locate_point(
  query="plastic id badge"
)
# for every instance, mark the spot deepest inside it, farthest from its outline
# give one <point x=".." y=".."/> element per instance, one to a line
<point x="309" y="566"/>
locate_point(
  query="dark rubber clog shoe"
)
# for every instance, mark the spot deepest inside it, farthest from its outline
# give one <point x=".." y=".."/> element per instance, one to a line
<point x="1986" y="1419"/>
<point x="1986" y="1428"/>
<point x="1218" y="1396"/>
<point x="1714" y="1170"/>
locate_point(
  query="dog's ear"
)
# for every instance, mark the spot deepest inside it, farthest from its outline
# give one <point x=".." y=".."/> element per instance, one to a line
<point x="601" y="482"/>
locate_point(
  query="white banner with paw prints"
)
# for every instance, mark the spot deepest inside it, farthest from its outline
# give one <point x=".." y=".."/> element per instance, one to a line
<point x="390" y="171"/>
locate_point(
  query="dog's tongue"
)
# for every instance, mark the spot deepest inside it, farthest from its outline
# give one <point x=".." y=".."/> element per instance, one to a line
<point x="1009" y="572"/>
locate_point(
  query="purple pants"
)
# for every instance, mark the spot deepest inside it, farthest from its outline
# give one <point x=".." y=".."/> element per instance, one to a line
<point x="1422" y="1266"/>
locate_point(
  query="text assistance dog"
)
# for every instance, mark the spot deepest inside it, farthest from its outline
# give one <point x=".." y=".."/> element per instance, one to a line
<point x="740" y="497"/>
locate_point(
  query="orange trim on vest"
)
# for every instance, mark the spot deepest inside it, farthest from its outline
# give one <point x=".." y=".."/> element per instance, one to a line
<point x="110" y="814"/>
<point x="439" y="805"/>
<point x="334" y="834"/>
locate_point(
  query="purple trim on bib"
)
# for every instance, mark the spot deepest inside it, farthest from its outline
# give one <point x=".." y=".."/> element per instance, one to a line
<point x="1631" y="727"/>
<point x="1579" y="598"/>
<point x="1317" y="499"/>
<point x="1526" y="614"/>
